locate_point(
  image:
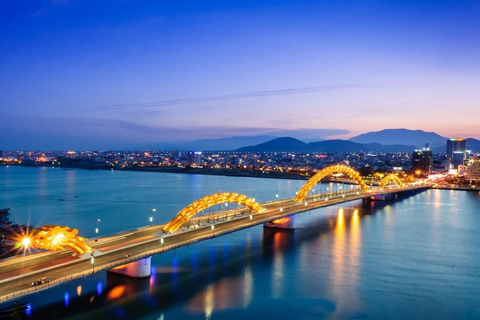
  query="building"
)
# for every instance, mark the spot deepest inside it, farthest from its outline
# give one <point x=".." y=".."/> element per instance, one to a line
<point x="195" y="158"/>
<point x="456" y="151"/>
<point x="473" y="169"/>
<point x="422" y="161"/>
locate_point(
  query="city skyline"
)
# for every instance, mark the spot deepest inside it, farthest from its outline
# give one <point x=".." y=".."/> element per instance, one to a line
<point x="79" y="75"/>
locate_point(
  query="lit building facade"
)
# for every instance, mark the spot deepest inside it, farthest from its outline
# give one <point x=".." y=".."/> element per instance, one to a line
<point x="456" y="151"/>
<point x="195" y="158"/>
<point x="473" y="169"/>
<point x="422" y="161"/>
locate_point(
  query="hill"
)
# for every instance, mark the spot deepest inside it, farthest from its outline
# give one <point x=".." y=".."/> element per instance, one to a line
<point x="418" y="138"/>
<point x="473" y="144"/>
<point x="287" y="144"/>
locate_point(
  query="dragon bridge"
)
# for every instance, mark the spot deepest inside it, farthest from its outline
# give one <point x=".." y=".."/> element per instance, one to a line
<point x="55" y="238"/>
<point x="389" y="178"/>
<point x="199" y="205"/>
<point x="351" y="173"/>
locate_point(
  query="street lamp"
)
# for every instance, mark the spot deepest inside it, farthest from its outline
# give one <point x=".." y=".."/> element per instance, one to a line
<point x="92" y="260"/>
<point x="151" y="215"/>
<point x="276" y="194"/>
<point x="213" y="232"/>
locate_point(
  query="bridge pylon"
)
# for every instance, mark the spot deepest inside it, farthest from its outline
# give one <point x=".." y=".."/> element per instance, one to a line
<point x="137" y="269"/>
<point x="286" y="223"/>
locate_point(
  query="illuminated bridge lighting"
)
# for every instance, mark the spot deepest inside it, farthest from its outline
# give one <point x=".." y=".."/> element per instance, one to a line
<point x="218" y="198"/>
<point x="390" y="178"/>
<point x="328" y="171"/>
<point x="55" y="238"/>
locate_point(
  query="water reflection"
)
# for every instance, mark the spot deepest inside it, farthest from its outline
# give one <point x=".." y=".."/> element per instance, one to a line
<point x="346" y="256"/>
<point x="79" y="290"/>
<point x="278" y="274"/>
<point x="355" y="241"/>
<point x="338" y="253"/>
<point x="116" y="292"/>
<point x="227" y="293"/>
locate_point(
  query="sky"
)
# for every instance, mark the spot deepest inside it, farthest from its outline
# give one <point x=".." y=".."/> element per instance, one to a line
<point x="102" y="74"/>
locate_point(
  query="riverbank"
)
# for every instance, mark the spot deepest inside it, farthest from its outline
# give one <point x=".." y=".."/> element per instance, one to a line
<point x="465" y="188"/>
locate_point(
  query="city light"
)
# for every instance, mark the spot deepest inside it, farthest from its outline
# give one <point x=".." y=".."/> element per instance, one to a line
<point x="55" y="238"/>
<point x="26" y="242"/>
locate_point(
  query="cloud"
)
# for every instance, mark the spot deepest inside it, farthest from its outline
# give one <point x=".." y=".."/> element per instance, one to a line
<point x="267" y="93"/>
<point x="80" y="133"/>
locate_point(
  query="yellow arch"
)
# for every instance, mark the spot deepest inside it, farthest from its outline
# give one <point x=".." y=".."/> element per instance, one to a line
<point x="326" y="172"/>
<point x="55" y="238"/>
<point x="195" y="207"/>
<point x="410" y="178"/>
<point x="388" y="178"/>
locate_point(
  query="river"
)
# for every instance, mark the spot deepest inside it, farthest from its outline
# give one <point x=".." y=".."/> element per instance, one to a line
<point x="416" y="257"/>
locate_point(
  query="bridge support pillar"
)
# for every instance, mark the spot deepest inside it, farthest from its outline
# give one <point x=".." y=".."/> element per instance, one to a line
<point x="381" y="197"/>
<point x="282" y="223"/>
<point x="137" y="269"/>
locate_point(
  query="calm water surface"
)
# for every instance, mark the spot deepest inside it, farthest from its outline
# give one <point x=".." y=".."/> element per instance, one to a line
<point x="417" y="257"/>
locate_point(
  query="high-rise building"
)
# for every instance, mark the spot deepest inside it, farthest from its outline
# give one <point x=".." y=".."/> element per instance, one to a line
<point x="195" y="158"/>
<point x="456" y="151"/>
<point x="422" y="161"/>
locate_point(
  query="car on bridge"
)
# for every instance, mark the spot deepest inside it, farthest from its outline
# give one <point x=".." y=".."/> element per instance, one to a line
<point x="40" y="281"/>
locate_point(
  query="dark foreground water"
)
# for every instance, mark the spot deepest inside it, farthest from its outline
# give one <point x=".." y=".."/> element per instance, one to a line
<point x="418" y="257"/>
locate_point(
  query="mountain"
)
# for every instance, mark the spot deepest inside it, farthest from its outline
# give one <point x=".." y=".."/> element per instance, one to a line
<point x="332" y="146"/>
<point x="285" y="144"/>
<point x="418" y="138"/>
<point x="288" y="144"/>
<point x="473" y="144"/>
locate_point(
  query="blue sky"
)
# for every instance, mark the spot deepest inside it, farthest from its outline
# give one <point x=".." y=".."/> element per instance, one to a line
<point x="104" y="74"/>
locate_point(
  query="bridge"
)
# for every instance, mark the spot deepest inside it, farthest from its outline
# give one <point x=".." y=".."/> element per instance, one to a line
<point x="69" y="256"/>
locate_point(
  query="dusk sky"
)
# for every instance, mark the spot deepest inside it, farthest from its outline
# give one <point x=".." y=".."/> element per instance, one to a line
<point x="109" y="74"/>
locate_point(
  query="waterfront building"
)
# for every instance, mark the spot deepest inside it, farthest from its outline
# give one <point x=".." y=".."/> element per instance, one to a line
<point x="195" y="158"/>
<point x="473" y="169"/>
<point x="456" y="151"/>
<point x="422" y="161"/>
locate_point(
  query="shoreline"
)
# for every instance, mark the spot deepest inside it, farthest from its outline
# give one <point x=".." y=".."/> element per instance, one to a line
<point x="241" y="173"/>
<point x="222" y="172"/>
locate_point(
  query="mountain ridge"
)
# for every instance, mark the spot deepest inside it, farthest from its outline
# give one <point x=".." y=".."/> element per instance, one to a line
<point x="403" y="136"/>
<point x="288" y="144"/>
